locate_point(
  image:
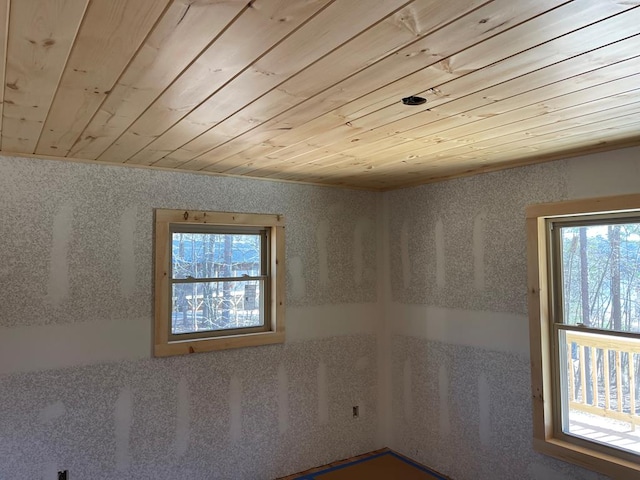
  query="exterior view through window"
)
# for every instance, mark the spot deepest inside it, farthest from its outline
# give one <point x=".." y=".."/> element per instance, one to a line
<point x="595" y="265"/>
<point x="218" y="279"/>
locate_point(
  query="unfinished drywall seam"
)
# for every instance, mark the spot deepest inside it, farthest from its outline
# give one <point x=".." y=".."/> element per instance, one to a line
<point x="484" y="400"/>
<point x="123" y="421"/>
<point x="440" y="254"/>
<point x="322" y="237"/>
<point x="479" y="225"/>
<point x="235" y="408"/>
<point x="384" y="362"/>
<point x="407" y="389"/>
<point x="58" y="286"/>
<point x="323" y="394"/>
<point x="404" y="254"/>
<point x="296" y="272"/>
<point x="283" y="399"/>
<point x="183" y="418"/>
<point x="444" y="420"/>
<point x="127" y="252"/>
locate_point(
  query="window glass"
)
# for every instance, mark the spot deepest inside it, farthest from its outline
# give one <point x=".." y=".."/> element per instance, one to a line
<point x="601" y="276"/>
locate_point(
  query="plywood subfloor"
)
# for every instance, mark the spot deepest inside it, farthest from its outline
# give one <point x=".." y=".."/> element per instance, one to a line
<point x="380" y="465"/>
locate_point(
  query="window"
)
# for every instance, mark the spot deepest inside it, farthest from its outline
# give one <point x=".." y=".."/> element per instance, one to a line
<point x="584" y="312"/>
<point x="219" y="281"/>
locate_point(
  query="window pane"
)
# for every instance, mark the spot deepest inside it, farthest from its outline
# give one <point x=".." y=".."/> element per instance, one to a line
<point x="214" y="306"/>
<point x="601" y="276"/>
<point x="215" y="255"/>
<point x="600" y="388"/>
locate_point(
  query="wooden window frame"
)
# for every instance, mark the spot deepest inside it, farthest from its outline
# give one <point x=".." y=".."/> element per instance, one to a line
<point x="274" y="331"/>
<point x="546" y="440"/>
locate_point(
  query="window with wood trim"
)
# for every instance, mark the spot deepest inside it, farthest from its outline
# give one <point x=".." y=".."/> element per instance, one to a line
<point x="219" y="281"/>
<point x="584" y="312"/>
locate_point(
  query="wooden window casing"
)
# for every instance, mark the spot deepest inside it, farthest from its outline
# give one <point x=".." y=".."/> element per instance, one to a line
<point x="272" y="258"/>
<point x="548" y="437"/>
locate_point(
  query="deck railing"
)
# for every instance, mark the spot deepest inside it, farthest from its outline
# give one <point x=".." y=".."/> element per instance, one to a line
<point x="602" y="375"/>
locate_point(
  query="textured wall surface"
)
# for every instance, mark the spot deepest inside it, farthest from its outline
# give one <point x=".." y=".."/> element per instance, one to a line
<point x="78" y="387"/>
<point x="456" y="301"/>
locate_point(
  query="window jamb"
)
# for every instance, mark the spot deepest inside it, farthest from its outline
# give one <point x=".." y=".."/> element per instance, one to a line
<point x="272" y="263"/>
<point x="542" y="316"/>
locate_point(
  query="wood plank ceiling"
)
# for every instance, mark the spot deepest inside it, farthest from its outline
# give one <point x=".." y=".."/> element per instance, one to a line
<point x="310" y="90"/>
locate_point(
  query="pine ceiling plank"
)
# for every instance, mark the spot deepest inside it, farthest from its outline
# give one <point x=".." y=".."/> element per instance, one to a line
<point x="574" y="90"/>
<point x="573" y="146"/>
<point x="622" y="102"/>
<point x="181" y="48"/>
<point x="41" y="33"/>
<point x="418" y="19"/>
<point x="326" y="30"/>
<point x="564" y="134"/>
<point x="337" y="134"/>
<point x="425" y="56"/>
<point x="111" y="33"/>
<point x="4" y="32"/>
<point x="581" y="144"/>
<point x="620" y="99"/>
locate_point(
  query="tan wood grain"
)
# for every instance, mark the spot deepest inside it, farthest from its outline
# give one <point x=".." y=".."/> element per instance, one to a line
<point x="4" y="33"/>
<point x="418" y="19"/>
<point x="337" y="135"/>
<point x="111" y="33"/>
<point x="228" y="60"/>
<point x="320" y="114"/>
<point x="186" y="30"/>
<point x="41" y="33"/>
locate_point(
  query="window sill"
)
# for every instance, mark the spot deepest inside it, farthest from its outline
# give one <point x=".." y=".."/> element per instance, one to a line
<point x="218" y="343"/>
<point x="588" y="458"/>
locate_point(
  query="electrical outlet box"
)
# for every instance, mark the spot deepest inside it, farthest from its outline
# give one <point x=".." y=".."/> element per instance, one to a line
<point x="63" y="475"/>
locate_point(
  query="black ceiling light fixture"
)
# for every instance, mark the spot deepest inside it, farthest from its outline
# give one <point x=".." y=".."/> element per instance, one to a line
<point x="413" y="100"/>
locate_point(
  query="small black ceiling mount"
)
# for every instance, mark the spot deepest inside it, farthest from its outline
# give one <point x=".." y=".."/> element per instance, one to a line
<point x="413" y="100"/>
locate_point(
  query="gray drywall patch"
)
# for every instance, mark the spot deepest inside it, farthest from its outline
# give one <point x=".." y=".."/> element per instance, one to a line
<point x="127" y="253"/>
<point x="123" y="417"/>
<point x="183" y="418"/>
<point x="323" y="394"/>
<point x="283" y="399"/>
<point x="235" y="407"/>
<point x="440" y="255"/>
<point x="58" y="288"/>
<point x="484" y="400"/>
<point x="363" y="225"/>
<point x="444" y="420"/>
<point x="52" y="412"/>
<point x="404" y="254"/>
<point x="322" y="238"/>
<point x="296" y="273"/>
<point x="407" y="396"/>
<point x="479" y="223"/>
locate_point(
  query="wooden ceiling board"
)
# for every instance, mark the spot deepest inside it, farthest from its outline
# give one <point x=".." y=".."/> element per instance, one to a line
<point x="337" y="24"/>
<point x="425" y="59"/>
<point x="180" y="40"/>
<point x="620" y="98"/>
<point x="310" y="90"/>
<point x="332" y="26"/>
<point x="520" y="107"/>
<point x="111" y="33"/>
<point x="338" y="137"/>
<point x="398" y="30"/>
<point x="41" y="34"/>
<point x="4" y="32"/>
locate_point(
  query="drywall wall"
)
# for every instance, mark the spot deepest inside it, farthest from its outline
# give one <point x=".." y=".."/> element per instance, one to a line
<point x="457" y="314"/>
<point x="79" y="389"/>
